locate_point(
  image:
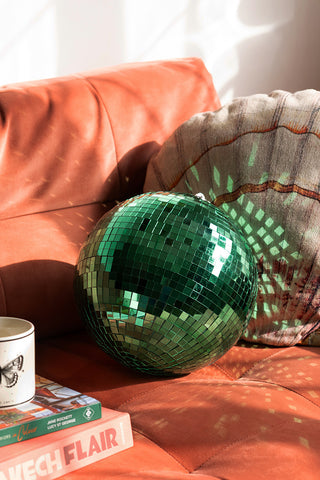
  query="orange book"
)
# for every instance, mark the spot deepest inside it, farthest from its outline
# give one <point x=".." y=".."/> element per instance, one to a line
<point x="64" y="451"/>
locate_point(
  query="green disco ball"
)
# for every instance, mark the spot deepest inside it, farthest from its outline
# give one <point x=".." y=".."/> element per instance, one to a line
<point x="166" y="283"/>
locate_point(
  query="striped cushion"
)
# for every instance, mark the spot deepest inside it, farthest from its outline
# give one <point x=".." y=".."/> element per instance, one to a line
<point x="258" y="159"/>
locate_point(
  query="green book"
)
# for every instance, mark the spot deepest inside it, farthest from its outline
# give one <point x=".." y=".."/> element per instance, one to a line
<point x="53" y="408"/>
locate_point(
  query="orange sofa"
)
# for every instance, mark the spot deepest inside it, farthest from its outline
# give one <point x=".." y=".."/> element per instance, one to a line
<point x="70" y="148"/>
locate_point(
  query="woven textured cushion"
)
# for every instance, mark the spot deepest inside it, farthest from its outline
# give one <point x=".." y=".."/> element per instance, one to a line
<point x="257" y="158"/>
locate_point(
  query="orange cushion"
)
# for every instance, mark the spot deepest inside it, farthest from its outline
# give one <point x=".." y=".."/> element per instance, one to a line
<point x="253" y="413"/>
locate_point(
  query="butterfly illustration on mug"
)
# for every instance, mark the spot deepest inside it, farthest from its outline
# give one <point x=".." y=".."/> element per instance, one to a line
<point x="9" y="373"/>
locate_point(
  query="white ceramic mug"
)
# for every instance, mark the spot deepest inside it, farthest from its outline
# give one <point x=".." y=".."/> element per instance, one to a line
<point x="17" y="362"/>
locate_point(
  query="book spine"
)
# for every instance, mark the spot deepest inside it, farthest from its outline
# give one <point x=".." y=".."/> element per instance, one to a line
<point x="52" y="423"/>
<point x="74" y="451"/>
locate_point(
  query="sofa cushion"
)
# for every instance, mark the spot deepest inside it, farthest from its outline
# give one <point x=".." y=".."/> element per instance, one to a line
<point x="257" y="159"/>
<point x="253" y="413"/>
<point x="87" y="138"/>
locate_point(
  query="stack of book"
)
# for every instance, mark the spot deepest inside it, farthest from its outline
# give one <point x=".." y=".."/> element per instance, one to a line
<point x="48" y="448"/>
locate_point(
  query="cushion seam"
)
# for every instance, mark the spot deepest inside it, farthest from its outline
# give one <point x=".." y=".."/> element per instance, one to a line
<point x="97" y="94"/>
<point x="69" y="207"/>
<point x="270" y="382"/>
<point x="141" y="394"/>
<point x="141" y="432"/>
<point x="261" y="362"/>
<point x="236" y="442"/>
<point x="226" y="372"/>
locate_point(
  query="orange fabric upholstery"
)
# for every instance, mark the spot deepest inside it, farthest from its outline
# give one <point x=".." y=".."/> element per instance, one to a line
<point x="69" y="149"/>
<point x="253" y="414"/>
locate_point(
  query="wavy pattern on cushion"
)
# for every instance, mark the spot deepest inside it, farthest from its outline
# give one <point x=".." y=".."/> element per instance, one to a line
<point x="257" y="158"/>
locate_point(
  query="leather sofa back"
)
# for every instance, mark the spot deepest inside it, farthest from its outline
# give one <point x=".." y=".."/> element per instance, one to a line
<point x="69" y="149"/>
